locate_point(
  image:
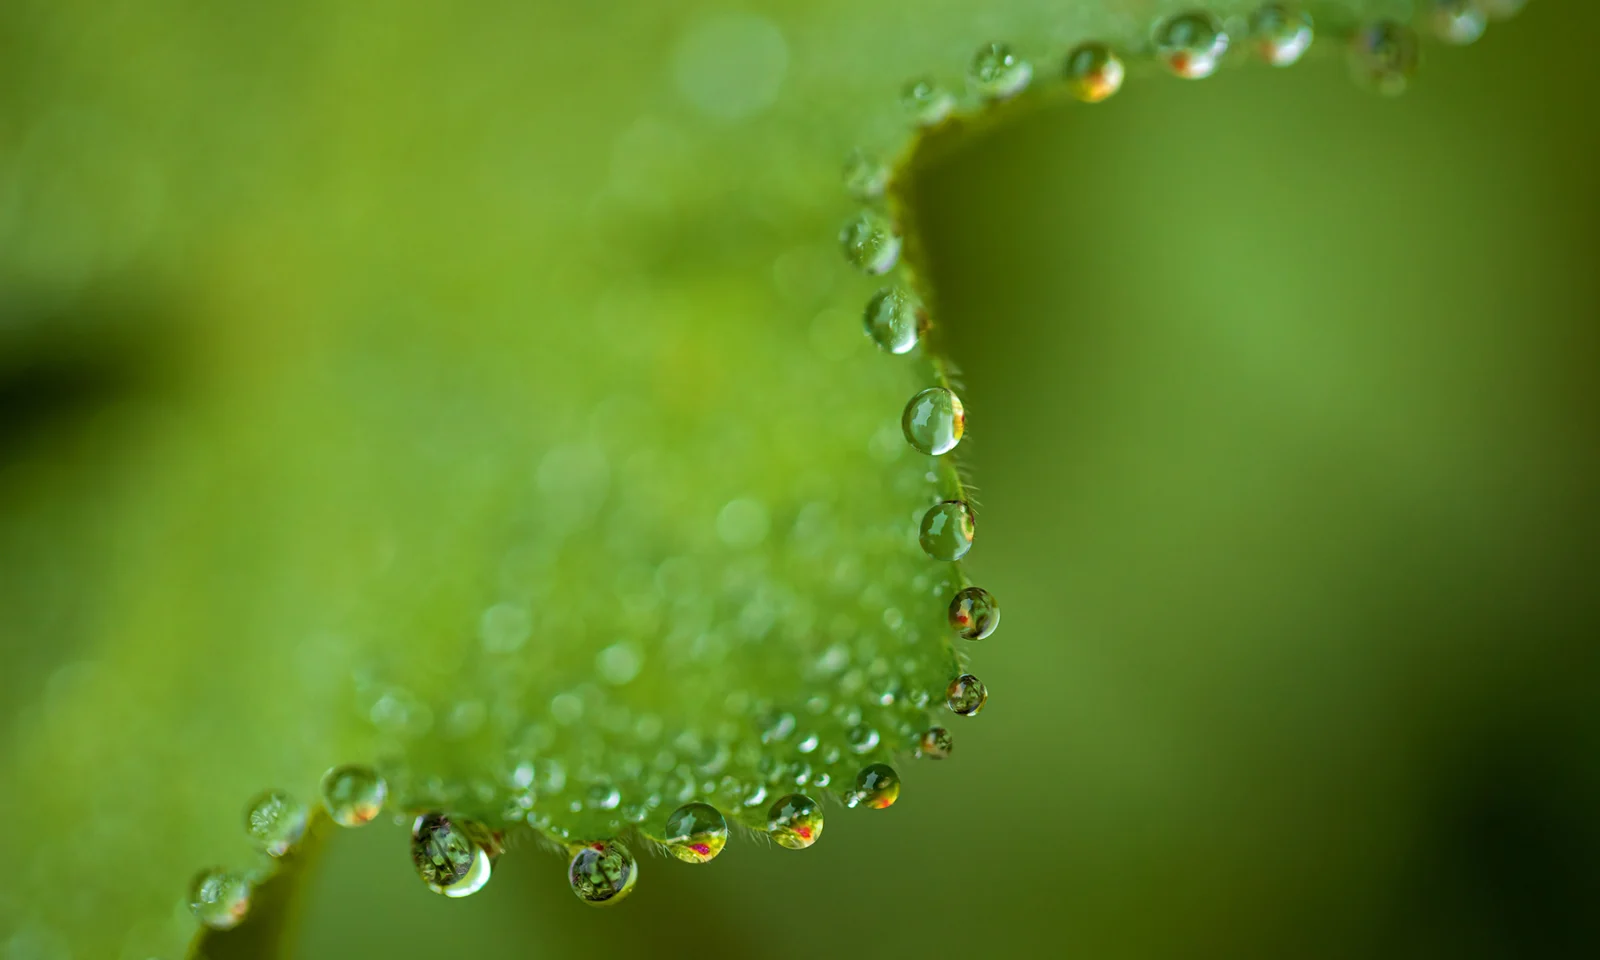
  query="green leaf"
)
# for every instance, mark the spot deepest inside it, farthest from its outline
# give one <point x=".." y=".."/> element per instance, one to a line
<point x="474" y="393"/>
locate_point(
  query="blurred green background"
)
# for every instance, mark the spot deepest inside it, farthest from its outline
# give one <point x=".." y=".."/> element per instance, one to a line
<point x="1285" y="421"/>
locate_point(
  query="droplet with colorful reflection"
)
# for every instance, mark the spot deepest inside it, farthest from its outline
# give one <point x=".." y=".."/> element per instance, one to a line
<point x="1191" y="44"/>
<point x="353" y="794"/>
<point x="1282" y="33"/>
<point x="219" y="899"/>
<point x="870" y="243"/>
<point x="935" y="744"/>
<point x="947" y="530"/>
<point x="795" y="821"/>
<point x="602" y="872"/>
<point x="696" y="833"/>
<point x="275" y="821"/>
<point x="966" y="695"/>
<point x="1383" y="57"/>
<point x="934" y="421"/>
<point x="894" y="319"/>
<point x="450" y="855"/>
<point x="1459" y="22"/>
<point x="877" y="787"/>
<point x="974" y="613"/>
<point x="926" y="102"/>
<point x="997" y="73"/>
<point x="1093" y="72"/>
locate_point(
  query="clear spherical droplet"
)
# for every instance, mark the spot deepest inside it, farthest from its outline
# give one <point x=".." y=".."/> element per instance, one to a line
<point x="1093" y="72"/>
<point x="974" y="613"/>
<point x="602" y="873"/>
<point x="927" y="103"/>
<point x="894" y="319"/>
<point x="997" y="73"/>
<point x="219" y="899"/>
<point x="1282" y="33"/>
<point x="275" y="821"/>
<point x="696" y="833"/>
<point x="966" y="695"/>
<point x="877" y="787"/>
<point x="353" y="794"/>
<point x="947" y="530"/>
<point x="603" y="796"/>
<point x="450" y="854"/>
<point x="1383" y="57"/>
<point x="795" y="821"/>
<point x="1457" y="21"/>
<point x="1191" y="44"/>
<point x="865" y="177"/>
<point x="934" y="421"/>
<point x="870" y="243"/>
<point x="935" y="744"/>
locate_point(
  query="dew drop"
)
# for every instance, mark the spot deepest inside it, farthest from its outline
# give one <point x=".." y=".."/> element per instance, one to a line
<point x="966" y="695"/>
<point x="974" y="613"/>
<point x="927" y="103"/>
<point x="604" y="796"/>
<point x="894" y="319"/>
<point x="450" y="854"/>
<point x="1191" y="44"/>
<point x="870" y="243"/>
<point x="275" y="821"/>
<point x="1458" y="22"/>
<point x="795" y="821"/>
<point x="877" y="787"/>
<point x="1383" y="57"/>
<point x="947" y="530"/>
<point x="863" y="739"/>
<point x="934" y="421"/>
<point x="1093" y="72"/>
<point x="865" y="176"/>
<point x="696" y="833"/>
<point x="353" y="794"/>
<point x="602" y="873"/>
<point x="219" y="899"/>
<point x="935" y="744"/>
<point x="1282" y="33"/>
<point x="997" y="73"/>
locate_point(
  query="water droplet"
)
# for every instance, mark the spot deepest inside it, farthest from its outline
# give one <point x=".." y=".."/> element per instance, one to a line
<point x="619" y="663"/>
<point x="1093" y="72"/>
<point x="947" y="530"/>
<point x="604" y="796"/>
<point x="1383" y="57"/>
<point x="1282" y="33"/>
<point x="934" y="421"/>
<point x="353" y="794"/>
<point x="731" y="66"/>
<point x="450" y="854"/>
<point x="1191" y="44"/>
<point x="275" y="822"/>
<point x="795" y="821"/>
<point x="966" y="695"/>
<point x="863" y="739"/>
<point x="974" y="613"/>
<point x="894" y="319"/>
<point x="1459" y="22"/>
<point x="927" y="103"/>
<point x="808" y="743"/>
<point x="877" y="786"/>
<point x="935" y="744"/>
<point x="755" y="796"/>
<point x="219" y="899"/>
<point x="865" y="177"/>
<point x="602" y="873"/>
<point x="779" y="729"/>
<point x="696" y="833"/>
<point x="997" y="73"/>
<point x="870" y="243"/>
